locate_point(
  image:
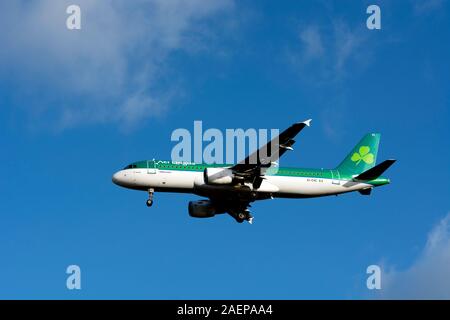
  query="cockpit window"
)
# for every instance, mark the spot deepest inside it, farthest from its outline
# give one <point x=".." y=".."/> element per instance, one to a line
<point x="130" y="166"/>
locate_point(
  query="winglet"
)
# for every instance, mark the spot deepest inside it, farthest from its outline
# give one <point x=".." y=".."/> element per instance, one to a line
<point x="307" y="122"/>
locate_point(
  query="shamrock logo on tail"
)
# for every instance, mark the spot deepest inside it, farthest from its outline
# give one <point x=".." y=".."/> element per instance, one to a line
<point x="363" y="155"/>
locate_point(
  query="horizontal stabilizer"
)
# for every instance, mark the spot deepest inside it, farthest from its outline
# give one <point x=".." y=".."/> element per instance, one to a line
<point x="376" y="171"/>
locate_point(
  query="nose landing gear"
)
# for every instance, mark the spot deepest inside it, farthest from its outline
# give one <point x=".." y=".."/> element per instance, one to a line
<point x="150" y="197"/>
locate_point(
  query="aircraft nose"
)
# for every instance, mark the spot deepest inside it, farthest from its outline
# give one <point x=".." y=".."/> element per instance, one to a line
<point x="116" y="178"/>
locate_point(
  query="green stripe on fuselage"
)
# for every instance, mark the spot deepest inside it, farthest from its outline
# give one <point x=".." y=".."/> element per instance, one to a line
<point x="293" y="172"/>
<point x="280" y="171"/>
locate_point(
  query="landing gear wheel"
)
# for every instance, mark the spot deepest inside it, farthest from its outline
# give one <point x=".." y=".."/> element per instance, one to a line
<point x="149" y="203"/>
<point x="242" y="216"/>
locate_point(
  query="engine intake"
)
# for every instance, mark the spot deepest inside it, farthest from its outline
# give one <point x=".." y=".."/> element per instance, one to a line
<point x="218" y="176"/>
<point x="202" y="209"/>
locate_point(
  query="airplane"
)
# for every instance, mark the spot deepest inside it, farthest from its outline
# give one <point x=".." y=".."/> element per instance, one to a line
<point x="231" y="188"/>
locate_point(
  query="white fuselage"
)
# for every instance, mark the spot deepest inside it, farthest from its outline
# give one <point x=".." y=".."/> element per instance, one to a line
<point x="193" y="181"/>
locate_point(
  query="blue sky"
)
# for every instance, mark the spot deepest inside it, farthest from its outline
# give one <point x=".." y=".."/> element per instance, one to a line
<point x="76" y="106"/>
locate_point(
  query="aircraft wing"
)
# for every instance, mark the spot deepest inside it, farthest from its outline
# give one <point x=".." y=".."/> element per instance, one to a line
<point x="251" y="167"/>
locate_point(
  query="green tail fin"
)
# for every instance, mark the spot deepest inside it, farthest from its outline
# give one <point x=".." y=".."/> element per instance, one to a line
<point x="362" y="157"/>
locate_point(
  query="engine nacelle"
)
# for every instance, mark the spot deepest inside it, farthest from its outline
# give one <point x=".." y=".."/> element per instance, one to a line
<point x="202" y="209"/>
<point x="218" y="176"/>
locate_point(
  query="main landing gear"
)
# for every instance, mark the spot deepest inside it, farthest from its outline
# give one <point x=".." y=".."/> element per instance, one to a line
<point x="149" y="202"/>
<point x="244" y="216"/>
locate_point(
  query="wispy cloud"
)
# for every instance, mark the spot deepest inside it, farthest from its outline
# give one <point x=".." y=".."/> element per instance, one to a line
<point x="426" y="6"/>
<point x="429" y="276"/>
<point x="348" y="44"/>
<point x="326" y="52"/>
<point x="312" y="41"/>
<point x="115" y="67"/>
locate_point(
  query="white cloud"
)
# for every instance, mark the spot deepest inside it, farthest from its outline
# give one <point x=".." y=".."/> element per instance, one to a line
<point x="429" y="276"/>
<point x="115" y="67"/>
<point x="325" y="53"/>
<point x="348" y="42"/>
<point x="312" y="40"/>
<point x="425" y="6"/>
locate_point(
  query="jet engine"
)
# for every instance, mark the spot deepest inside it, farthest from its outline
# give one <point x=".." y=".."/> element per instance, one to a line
<point x="202" y="209"/>
<point x="218" y="176"/>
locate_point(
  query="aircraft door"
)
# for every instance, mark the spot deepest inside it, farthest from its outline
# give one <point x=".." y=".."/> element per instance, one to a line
<point x="335" y="177"/>
<point x="151" y="168"/>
